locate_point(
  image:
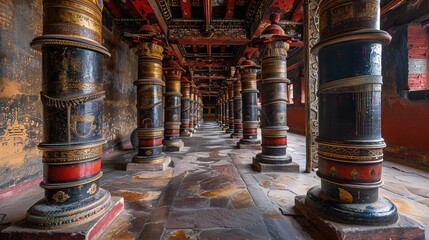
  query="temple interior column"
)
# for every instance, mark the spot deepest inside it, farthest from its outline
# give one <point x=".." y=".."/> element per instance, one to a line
<point x="249" y="94"/>
<point x="192" y="108"/>
<point x="149" y="110"/>
<point x="186" y="106"/>
<point x="230" y="103"/>
<point x="237" y="102"/>
<point x="273" y="48"/>
<point x="225" y="104"/>
<point x="173" y="73"/>
<point x="72" y="97"/>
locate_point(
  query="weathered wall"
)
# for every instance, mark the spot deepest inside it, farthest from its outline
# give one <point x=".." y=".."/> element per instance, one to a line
<point x="20" y="85"/>
<point x="404" y="122"/>
<point x="296" y="111"/>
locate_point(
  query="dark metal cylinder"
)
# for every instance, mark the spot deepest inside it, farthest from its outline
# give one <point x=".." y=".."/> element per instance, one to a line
<point x="274" y="102"/>
<point x="238" y="116"/>
<point x="149" y="104"/>
<point x="173" y="73"/>
<point x="72" y="96"/>
<point x="350" y="147"/>
<point x="192" y="108"/>
<point x="225" y="109"/>
<point x="230" y="109"/>
<point x="249" y="95"/>
<point x="186" y="106"/>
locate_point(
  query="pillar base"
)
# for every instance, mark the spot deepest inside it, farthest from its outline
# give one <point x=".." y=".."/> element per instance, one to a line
<point x="236" y="135"/>
<point x="138" y="164"/>
<point x="381" y="212"/>
<point x="404" y="228"/>
<point x="186" y="135"/>
<point x="255" y="145"/>
<point x="279" y="167"/>
<point x="229" y="130"/>
<point x="87" y="231"/>
<point x="174" y="146"/>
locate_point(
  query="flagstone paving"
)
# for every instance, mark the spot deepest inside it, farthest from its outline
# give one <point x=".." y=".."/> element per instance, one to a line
<point x="210" y="191"/>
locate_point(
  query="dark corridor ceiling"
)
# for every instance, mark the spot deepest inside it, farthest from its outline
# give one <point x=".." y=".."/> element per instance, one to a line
<point x="208" y="36"/>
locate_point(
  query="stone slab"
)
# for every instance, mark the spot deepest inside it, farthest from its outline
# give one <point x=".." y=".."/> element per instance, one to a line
<point x="404" y="228"/>
<point x="264" y="167"/>
<point x="160" y="166"/>
<point x="176" y="147"/>
<point x="88" y="231"/>
<point x="249" y="146"/>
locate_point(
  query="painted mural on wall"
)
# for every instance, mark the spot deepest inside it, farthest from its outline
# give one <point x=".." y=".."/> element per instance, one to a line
<point x="119" y="73"/>
<point x="20" y="78"/>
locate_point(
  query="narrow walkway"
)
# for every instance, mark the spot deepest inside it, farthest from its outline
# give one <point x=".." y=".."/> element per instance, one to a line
<point x="211" y="192"/>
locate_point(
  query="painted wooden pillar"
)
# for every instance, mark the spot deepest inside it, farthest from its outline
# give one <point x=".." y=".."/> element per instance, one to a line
<point x="350" y="146"/>
<point x="173" y="73"/>
<point x="237" y="100"/>
<point x="250" y="95"/>
<point x="218" y="110"/>
<point x="150" y="126"/>
<point x="230" y="109"/>
<point x="186" y="106"/>
<point x="200" y="107"/>
<point x="72" y="97"/>
<point x="192" y="108"/>
<point x="273" y="48"/>
<point x="225" y="108"/>
<point x="197" y="109"/>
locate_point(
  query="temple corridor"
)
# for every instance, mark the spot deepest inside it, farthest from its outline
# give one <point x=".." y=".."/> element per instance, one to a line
<point x="209" y="191"/>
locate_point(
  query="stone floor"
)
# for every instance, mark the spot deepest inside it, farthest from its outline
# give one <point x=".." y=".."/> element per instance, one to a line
<point x="211" y="192"/>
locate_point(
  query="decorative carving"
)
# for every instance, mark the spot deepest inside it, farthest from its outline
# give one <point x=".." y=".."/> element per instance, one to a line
<point x="311" y="76"/>
<point x="92" y="190"/>
<point x="64" y="102"/>
<point x="229" y="33"/>
<point x="60" y="197"/>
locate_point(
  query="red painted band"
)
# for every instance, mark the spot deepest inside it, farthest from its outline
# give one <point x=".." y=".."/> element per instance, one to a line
<point x="71" y="172"/>
<point x="150" y="142"/>
<point x="250" y="130"/>
<point x="171" y="131"/>
<point x="365" y="173"/>
<point x="274" y="141"/>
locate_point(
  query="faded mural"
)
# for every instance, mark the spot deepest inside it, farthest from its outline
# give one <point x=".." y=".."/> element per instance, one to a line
<point x="21" y="118"/>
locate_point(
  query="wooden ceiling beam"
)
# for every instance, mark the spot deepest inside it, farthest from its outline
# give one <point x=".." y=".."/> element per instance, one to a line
<point x="208" y="13"/>
<point x="298" y="13"/>
<point x="113" y="8"/>
<point x="230" y="9"/>
<point x="186" y="8"/>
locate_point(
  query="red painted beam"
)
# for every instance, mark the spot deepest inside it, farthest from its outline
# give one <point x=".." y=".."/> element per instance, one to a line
<point x="298" y="13"/>
<point x="186" y="8"/>
<point x="142" y="7"/>
<point x="113" y="8"/>
<point x="230" y="9"/>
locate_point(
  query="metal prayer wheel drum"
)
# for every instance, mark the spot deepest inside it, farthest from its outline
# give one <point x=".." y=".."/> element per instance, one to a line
<point x="149" y="103"/>
<point x="237" y="102"/>
<point x="185" y="108"/>
<point x="342" y="16"/>
<point x="73" y="23"/>
<point x="274" y="102"/>
<point x="173" y="73"/>
<point x="230" y="109"/>
<point x="350" y="146"/>
<point x="249" y="94"/>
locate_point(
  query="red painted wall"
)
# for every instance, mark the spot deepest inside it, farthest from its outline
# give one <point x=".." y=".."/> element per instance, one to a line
<point x="296" y="119"/>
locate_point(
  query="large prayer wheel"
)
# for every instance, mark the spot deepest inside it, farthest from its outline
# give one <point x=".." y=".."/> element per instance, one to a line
<point x="72" y="96"/>
<point x="350" y="144"/>
<point x="186" y="106"/>
<point x="237" y="102"/>
<point x="225" y="108"/>
<point x="173" y="73"/>
<point x="249" y="94"/>
<point x="150" y="126"/>
<point x="273" y="95"/>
